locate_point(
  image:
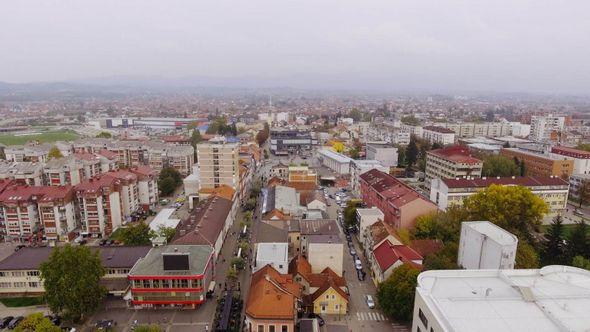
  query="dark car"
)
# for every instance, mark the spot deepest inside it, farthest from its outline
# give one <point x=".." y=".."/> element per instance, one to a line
<point x="19" y="247"/>
<point x="319" y="318"/>
<point x="14" y="322"/>
<point x="4" y="322"/>
<point x="105" y="324"/>
<point x="361" y="275"/>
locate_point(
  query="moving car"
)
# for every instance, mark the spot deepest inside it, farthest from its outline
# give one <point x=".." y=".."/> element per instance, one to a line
<point x="5" y="321"/>
<point x="370" y="301"/>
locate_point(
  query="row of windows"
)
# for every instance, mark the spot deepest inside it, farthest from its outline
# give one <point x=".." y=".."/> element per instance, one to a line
<point x="166" y="283"/>
<point x="33" y="273"/>
<point x="271" y="328"/>
<point x="20" y="284"/>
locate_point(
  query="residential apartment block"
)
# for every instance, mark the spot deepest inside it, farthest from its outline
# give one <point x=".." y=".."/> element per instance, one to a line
<point x="542" y="126"/>
<point x="218" y="163"/>
<point x="581" y="158"/>
<point x="451" y="162"/>
<point x="22" y="172"/>
<point x="440" y="135"/>
<point x="553" y="190"/>
<point x="382" y="152"/>
<point x="99" y="205"/>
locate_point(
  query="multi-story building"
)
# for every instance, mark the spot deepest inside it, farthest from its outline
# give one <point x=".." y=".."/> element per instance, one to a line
<point x="472" y="129"/>
<point x="577" y="182"/>
<point x="99" y="205"/>
<point x="147" y="186"/>
<point x="537" y="164"/>
<point x="172" y="276"/>
<point x="553" y="190"/>
<point x="440" y="135"/>
<point x="283" y="141"/>
<point x="451" y="162"/>
<point x="581" y="158"/>
<point x="548" y="299"/>
<point x="31" y="212"/>
<point x="400" y="204"/>
<point x="181" y="158"/>
<point x="218" y="163"/>
<point x="360" y="166"/>
<point x="301" y="174"/>
<point x="63" y="171"/>
<point x="129" y="191"/>
<point x="542" y="126"/>
<point x="22" y="172"/>
<point x="412" y="130"/>
<point x="19" y="272"/>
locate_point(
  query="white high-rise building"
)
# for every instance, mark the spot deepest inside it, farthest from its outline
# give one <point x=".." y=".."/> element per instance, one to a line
<point x="543" y="125"/>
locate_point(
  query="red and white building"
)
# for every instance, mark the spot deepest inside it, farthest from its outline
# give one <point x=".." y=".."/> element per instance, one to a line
<point x="451" y="162"/>
<point x="400" y="204"/>
<point x="386" y="257"/>
<point x="581" y="158"/>
<point x="147" y="186"/>
<point x="128" y="189"/>
<point x="99" y="205"/>
<point x="63" y="171"/>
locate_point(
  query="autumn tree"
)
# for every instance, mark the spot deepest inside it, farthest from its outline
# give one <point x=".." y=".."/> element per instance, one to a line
<point x="526" y="256"/>
<point x="71" y="278"/>
<point x="514" y="208"/>
<point x="36" y="322"/>
<point x="54" y="153"/>
<point x="396" y="294"/>
<point x="338" y="147"/>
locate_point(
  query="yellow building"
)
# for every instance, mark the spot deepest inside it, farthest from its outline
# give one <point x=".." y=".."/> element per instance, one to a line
<point x="330" y="300"/>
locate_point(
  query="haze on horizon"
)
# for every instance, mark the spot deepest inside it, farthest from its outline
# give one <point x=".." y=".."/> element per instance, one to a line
<point x="488" y="45"/>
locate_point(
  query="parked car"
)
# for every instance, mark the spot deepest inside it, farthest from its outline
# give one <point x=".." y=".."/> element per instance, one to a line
<point x="14" y="322"/>
<point x="352" y="252"/>
<point x="360" y="274"/>
<point x="5" y="321"/>
<point x="319" y="318"/>
<point x="358" y="264"/>
<point x="19" y="247"/>
<point x="370" y="301"/>
<point x="578" y="212"/>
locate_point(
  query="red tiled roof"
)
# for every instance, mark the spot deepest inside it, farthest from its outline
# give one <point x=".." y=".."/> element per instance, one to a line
<point x="205" y="223"/>
<point x="143" y="171"/>
<point x="457" y="153"/>
<point x="15" y="194"/>
<point x="439" y="129"/>
<point x="175" y="138"/>
<point x="108" y="154"/>
<point x="86" y="156"/>
<point x="395" y="191"/>
<point x="387" y="254"/>
<point x="527" y="181"/>
<point x="571" y="152"/>
<point x="96" y="183"/>
<point x="272" y="295"/>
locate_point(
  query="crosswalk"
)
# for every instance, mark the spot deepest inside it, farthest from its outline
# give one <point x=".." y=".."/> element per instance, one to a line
<point x="376" y="316"/>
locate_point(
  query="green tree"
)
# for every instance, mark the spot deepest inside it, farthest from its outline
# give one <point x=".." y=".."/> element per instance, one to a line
<point x="167" y="232"/>
<point x="104" y="134"/>
<point x="148" y="328"/>
<point x="54" y="153"/>
<point x="412" y="152"/>
<point x="584" y="193"/>
<point x="196" y="139"/>
<point x="354" y="153"/>
<point x="584" y="147"/>
<point x="36" y="323"/>
<point x="497" y="165"/>
<point x="526" y="256"/>
<point x="553" y="251"/>
<point x="514" y="208"/>
<point x="581" y="262"/>
<point x="355" y="114"/>
<point x="579" y="243"/>
<point x="350" y="213"/>
<point x="168" y="180"/>
<point x="446" y="259"/>
<point x="396" y="294"/>
<point x="138" y="234"/>
<point x="522" y="168"/>
<point x="238" y="263"/>
<point x="71" y="278"/>
<point x="410" y="120"/>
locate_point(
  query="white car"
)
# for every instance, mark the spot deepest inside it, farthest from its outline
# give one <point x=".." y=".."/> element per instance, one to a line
<point x="358" y="264"/>
<point x="370" y="302"/>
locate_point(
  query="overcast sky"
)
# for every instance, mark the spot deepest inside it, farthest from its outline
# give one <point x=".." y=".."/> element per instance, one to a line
<point x="496" y="45"/>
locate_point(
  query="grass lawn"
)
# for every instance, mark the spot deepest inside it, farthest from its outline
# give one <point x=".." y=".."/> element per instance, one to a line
<point x="22" y="301"/>
<point x="43" y="137"/>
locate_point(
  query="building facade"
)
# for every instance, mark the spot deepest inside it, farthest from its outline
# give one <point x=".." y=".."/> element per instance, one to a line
<point x="382" y="152"/>
<point x="483" y="245"/>
<point x="218" y="163"/>
<point x="581" y="158"/>
<point x="537" y="164"/>
<point x="440" y="135"/>
<point x="451" y="162"/>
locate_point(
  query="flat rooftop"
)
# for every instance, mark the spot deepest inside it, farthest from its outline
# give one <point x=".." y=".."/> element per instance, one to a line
<point x="554" y="298"/>
<point x="494" y="232"/>
<point x="275" y="251"/>
<point x="338" y="157"/>
<point x="153" y="263"/>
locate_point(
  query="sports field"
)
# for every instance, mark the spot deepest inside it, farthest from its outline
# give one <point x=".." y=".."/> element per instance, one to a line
<point x="41" y="136"/>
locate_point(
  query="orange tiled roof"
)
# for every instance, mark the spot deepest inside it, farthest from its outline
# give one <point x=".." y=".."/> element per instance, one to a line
<point x="223" y="191"/>
<point x="272" y="295"/>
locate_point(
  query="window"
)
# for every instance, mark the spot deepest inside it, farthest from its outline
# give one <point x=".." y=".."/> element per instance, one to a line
<point x="280" y="266"/>
<point x="260" y="328"/>
<point x="284" y="328"/>
<point x="271" y="328"/>
<point x="423" y="318"/>
<point x="33" y="284"/>
<point x="5" y="284"/>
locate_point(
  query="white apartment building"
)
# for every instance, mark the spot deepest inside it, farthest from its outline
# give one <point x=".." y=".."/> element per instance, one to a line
<point x="63" y="171"/>
<point x="484" y="245"/>
<point x="440" y="135"/>
<point x="543" y="125"/>
<point x="382" y="152"/>
<point x="472" y="129"/>
<point x="553" y="298"/>
<point x="412" y="130"/>
<point x="99" y="205"/>
<point x="367" y="217"/>
<point x="218" y="163"/>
